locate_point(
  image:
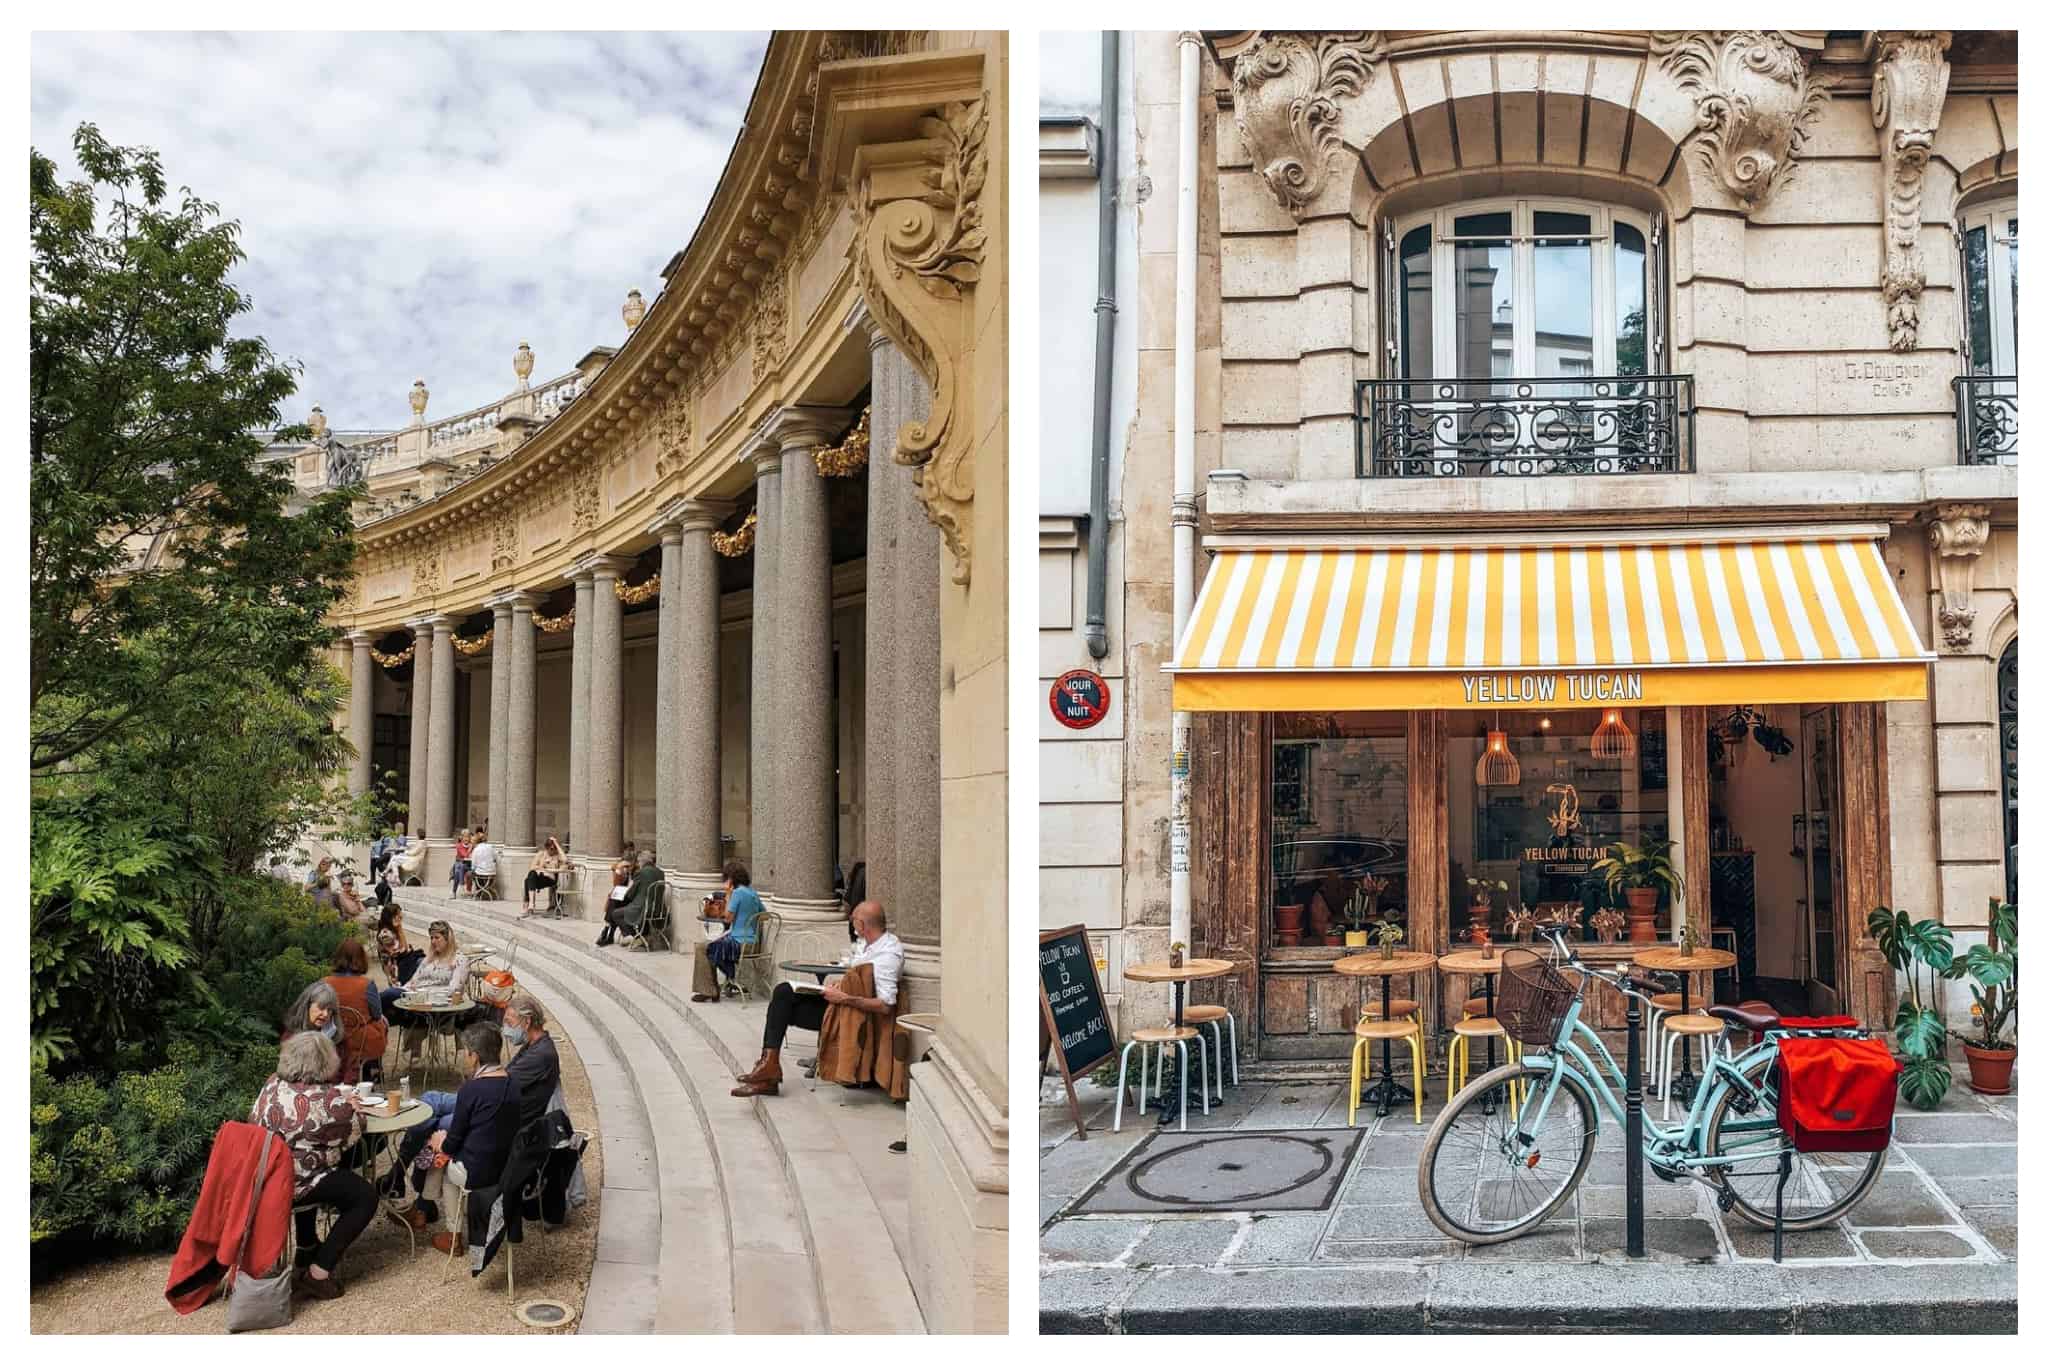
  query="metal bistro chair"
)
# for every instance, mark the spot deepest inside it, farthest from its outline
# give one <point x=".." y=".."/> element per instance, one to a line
<point x="654" y="922"/>
<point x="758" y="956"/>
<point x="483" y="886"/>
<point x="1148" y="1041"/>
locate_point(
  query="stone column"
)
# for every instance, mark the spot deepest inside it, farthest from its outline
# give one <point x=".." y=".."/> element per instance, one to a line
<point x="696" y="852"/>
<point x="441" y="734"/>
<point x="362" y="684"/>
<point x="579" y="718"/>
<point x="422" y="719"/>
<point x="669" y="650"/>
<point x="807" y="797"/>
<point x="903" y="645"/>
<point x="602" y="785"/>
<point x="762" y="718"/>
<point x="522" y="663"/>
<point x="499" y="800"/>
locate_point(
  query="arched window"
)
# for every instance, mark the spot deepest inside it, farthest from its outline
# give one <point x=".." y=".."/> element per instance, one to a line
<point x="1991" y="277"/>
<point x="1525" y="289"/>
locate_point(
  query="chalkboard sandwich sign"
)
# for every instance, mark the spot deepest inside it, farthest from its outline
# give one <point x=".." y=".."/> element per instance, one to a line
<point x="1074" y="1019"/>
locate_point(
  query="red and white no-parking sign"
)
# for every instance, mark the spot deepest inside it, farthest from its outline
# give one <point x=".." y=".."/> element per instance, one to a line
<point x="1079" y="699"/>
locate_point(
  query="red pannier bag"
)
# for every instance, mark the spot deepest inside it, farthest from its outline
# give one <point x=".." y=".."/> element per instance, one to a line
<point x="1836" y="1094"/>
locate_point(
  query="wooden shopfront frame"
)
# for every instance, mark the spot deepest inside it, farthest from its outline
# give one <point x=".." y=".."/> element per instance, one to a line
<point x="1231" y="810"/>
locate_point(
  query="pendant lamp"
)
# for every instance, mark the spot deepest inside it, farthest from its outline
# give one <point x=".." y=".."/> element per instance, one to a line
<point x="1612" y="738"/>
<point x="1497" y="766"/>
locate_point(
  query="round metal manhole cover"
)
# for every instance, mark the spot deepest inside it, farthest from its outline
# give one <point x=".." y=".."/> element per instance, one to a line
<point x="545" y="1313"/>
<point x="1228" y="1171"/>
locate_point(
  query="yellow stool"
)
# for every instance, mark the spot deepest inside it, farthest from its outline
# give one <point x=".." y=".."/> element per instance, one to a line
<point x="1370" y="1031"/>
<point x="1458" y="1062"/>
<point x="1401" y="1009"/>
<point x="1475" y="1007"/>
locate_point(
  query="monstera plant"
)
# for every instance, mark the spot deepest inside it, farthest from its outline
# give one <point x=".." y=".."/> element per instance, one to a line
<point x="1993" y="971"/>
<point x="1913" y="949"/>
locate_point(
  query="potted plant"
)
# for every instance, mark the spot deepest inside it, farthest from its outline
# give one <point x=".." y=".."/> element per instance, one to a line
<point x="1176" y="956"/>
<point x="1642" y="873"/>
<point x="1521" y="923"/>
<point x="1386" y="934"/>
<point x="1481" y="909"/>
<point x="1917" y="1029"/>
<point x="1360" y="909"/>
<point x="1993" y="971"/>
<point x="1688" y="939"/>
<point x="1608" y="924"/>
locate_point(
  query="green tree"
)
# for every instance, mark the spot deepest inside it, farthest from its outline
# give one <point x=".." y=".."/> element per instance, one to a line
<point x="162" y="547"/>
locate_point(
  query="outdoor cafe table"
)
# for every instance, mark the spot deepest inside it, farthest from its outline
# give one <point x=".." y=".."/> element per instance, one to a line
<point x="1666" y="959"/>
<point x="440" y="1021"/>
<point x="388" y="1127"/>
<point x="1191" y="969"/>
<point x="821" y="970"/>
<point x="1386" y="1090"/>
<point x="1475" y="962"/>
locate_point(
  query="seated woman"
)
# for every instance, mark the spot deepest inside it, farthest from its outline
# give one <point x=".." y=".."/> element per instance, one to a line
<point x="319" y="1122"/>
<point x="347" y="903"/>
<point x="350" y="982"/>
<point x="400" y="958"/>
<point x="458" y="875"/>
<point x="317" y="1010"/>
<point x="410" y="861"/>
<point x="628" y="914"/>
<point x="546" y="872"/>
<point x="470" y="1152"/>
<point x="722" y="954"/>
<point x="442" y="968"/>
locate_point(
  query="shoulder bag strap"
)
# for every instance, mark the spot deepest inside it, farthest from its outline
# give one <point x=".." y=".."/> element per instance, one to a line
<point x="255" y="1199"/>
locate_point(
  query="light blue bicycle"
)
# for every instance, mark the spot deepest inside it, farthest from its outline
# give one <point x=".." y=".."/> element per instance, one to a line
<point x="1491" y="1171"/>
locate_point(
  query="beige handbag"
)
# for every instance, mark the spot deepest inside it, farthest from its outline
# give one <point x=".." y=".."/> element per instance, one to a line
<point x="258" y="1302"/>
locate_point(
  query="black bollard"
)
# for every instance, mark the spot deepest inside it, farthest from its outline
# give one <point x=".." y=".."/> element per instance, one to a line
<point x="1634" y="1099"/>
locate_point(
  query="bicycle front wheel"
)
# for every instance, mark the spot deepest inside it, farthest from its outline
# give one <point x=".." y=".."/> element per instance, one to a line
<point x="1488" y="1178"/>
<point x="1823" y="1185"/>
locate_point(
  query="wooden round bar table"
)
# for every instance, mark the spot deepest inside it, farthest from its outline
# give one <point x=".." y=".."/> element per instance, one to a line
<point x="1386" y="1091"/>
<point x="1475" y="962"/>
<point x="1668" y="959"/>
<point x="1191" y="969"/>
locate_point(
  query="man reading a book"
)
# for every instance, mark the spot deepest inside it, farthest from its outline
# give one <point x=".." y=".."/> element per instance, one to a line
<point x="800" y="1007"/>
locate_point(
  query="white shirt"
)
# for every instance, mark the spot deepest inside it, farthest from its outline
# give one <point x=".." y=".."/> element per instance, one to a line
<point x="886" y="952"/>
<point x="484" y="858"/>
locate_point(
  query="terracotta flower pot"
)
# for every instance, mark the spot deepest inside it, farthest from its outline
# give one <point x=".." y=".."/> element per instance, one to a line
<point x="1642" y="914"/>
<point x="1287" y="919"/>
<point x="1991" y="1068"/>
<point x="1481" y="926"/>
<point x="1287" y="938"/>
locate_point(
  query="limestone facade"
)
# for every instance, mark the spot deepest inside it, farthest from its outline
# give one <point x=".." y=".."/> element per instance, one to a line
<point x="638" y="597"/>
<point x="1804" y="198"/>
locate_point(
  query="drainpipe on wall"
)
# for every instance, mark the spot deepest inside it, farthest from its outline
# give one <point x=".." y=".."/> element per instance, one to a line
<point x="1186" y="238"/>
<point x="1105" y="356"/>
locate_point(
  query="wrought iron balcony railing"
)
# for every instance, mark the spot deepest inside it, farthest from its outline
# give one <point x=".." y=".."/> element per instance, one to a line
<point x="1987" y="418"/>
<point x="1524" y="428"/>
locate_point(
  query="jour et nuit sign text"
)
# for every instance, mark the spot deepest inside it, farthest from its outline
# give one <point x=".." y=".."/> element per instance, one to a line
<point x="1503" y="688"/>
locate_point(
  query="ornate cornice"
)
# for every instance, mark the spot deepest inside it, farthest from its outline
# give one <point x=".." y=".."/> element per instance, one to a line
<point x="1909" y="81"/>
<point x="1957" y="533"/>
<point x="1753" y="99"/>
<point x="1284" y="89"/>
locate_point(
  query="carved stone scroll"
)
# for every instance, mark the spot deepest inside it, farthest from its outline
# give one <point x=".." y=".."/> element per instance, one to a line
<point x="918" y="258"/>
<point x="1285" y="91"/>
<point x="1957" y="535"/>
<point x="1753" y="99"/>
<point x="1908" y="84"/>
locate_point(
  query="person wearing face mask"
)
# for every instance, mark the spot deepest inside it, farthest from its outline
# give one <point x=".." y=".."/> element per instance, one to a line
<point x="535" y="1064"/>
<point x="471" y="1150"/>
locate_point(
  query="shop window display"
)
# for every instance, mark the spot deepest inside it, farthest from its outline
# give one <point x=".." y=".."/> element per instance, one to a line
<point x="1340" y="826"/>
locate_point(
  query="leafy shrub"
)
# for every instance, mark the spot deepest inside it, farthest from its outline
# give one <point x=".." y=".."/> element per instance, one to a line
<point x="1914" y="947"/>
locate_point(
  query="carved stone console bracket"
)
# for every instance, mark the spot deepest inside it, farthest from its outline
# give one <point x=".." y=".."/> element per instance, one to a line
<point x="1957" y="534"/>
<point x="1753" y="99"/>
<point x="1285" y="88"/>
<point x="914" y="157"/>
<point x="1909" y="81"/>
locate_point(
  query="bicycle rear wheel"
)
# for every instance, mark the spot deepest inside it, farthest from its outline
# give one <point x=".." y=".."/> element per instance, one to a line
<point x="1488" y="1178"/>
<point x="1823" y="1186"/>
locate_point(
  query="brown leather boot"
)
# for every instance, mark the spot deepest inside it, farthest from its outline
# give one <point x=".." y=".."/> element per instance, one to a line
<point x="767" y="1077"/>
<point x="751" y="1071"/>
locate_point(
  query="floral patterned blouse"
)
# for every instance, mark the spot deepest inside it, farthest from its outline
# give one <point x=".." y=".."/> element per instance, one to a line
<point x="451" y="973"/>
<point x="317" y="1121"/>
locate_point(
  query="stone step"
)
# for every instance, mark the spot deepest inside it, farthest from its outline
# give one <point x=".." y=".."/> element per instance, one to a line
<point x="730" y="1231"/>
<point x="830" y="1146"/>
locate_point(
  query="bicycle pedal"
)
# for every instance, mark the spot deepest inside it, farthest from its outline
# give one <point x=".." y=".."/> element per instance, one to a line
<point x="1725" y="1198"/>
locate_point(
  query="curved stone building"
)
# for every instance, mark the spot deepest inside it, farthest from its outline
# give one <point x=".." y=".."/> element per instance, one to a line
<point x="734" y="586"/>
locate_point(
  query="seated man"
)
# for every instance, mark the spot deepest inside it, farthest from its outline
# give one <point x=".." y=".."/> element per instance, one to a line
<point x="483" y="859"/>
<point x="742" y="904"/>
<point x="627" y="914"/>
<point x="537" y="1066"/>
<point x="791" y="1008"/>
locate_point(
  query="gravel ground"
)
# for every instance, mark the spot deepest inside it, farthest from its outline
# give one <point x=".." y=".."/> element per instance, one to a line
<point x="387" y="1289"/>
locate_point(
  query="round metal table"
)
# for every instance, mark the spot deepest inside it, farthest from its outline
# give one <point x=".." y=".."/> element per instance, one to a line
<point x="389" y="1127"/>
<point x="441" y="1022"/>
<point x="821" y="970"/>
<point x="1191" y="969"/>
<point x="1475" y="962"/>
<point x="1669" y="959"/>
<point x="1386" y="1090"/>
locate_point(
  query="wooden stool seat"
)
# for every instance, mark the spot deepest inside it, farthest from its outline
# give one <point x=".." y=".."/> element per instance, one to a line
<point x="1373" y="1030"/>
<point x="1482" y="1027"/>
<point x="1165" y="1035"/>
<point x="1668" y="1001"/>
<point x="1694" y="1025"/>
<point x="1475" y="1006"/>
<point x="1400" y="1008"/>
<point x="1203" y="1014"/>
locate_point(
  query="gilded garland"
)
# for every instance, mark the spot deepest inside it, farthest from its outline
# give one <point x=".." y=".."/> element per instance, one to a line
<point x="638" y="592"/>
<point x="733" y="544"/>
<point x="403" y="656"/>
<point x="554" y="625"/>
<point x="475" y="646"/>
<point x="850" y="456"/>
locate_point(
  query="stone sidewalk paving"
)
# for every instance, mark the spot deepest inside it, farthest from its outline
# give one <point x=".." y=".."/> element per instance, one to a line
<point x="1947" y="1198"/>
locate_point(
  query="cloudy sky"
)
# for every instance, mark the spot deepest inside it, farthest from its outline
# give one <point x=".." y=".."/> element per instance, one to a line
<point x="415" y="206"/>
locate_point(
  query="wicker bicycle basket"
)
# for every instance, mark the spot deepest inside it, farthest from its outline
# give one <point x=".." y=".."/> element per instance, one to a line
<point x="1532" y="1000"/>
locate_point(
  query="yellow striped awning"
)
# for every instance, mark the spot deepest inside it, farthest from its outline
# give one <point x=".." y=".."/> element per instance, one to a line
<point x="1761" y="617"/>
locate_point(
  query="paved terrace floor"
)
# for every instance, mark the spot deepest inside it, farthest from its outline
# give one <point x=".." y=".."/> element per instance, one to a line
<point x="720" y="1214"/>
<point x="1932" y="1248"/>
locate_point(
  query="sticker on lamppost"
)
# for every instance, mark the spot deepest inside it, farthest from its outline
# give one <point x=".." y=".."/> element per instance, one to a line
<point x="1080" y="699"/>
<point x="1179" y="828"/>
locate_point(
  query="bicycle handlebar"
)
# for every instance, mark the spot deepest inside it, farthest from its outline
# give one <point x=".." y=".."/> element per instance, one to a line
<point x="1623" y="976"/>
